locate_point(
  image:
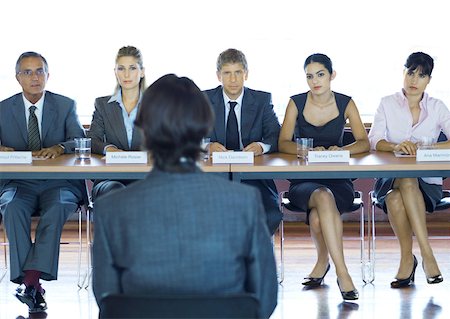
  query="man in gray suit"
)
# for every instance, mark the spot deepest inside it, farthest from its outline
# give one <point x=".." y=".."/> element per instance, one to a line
<point x="46" y="124"/>
<point x="245" y="121"/>
<point x="181" y="231"/>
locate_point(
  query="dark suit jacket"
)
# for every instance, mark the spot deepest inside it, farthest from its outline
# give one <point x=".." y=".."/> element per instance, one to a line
<point x="193" y="233"/>
<point x="259" y="122"/>
<point x="107" y="128"/>
<point x="60" y="124"/>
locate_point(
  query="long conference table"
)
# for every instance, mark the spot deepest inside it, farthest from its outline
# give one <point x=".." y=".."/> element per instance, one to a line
<point x="272" y="166"/>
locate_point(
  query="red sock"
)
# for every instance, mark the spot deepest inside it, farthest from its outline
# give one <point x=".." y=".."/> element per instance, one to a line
<point x="32" y="278"/>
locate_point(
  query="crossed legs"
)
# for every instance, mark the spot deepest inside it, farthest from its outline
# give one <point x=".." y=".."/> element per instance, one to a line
<point x="406" y="212"/>
<point x="326" y="231"/>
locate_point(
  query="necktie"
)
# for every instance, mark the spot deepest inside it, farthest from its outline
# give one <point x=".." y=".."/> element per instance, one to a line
<point x="34" y="139"/>
<point x="232" y="138"/>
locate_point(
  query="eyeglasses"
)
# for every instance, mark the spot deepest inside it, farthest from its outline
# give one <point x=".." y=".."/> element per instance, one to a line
<point x="29" y="73"/>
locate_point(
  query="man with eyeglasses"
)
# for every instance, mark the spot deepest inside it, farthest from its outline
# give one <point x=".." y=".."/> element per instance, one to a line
<point x="46" y="124"/>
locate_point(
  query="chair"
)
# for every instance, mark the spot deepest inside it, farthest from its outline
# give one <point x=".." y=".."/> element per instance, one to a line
<point x="83" y="280"/>
<point x="358" y="203"/>
<point x="442" y="205"/>
<point x="179" y="306"/>
<point x="4" y="268"/>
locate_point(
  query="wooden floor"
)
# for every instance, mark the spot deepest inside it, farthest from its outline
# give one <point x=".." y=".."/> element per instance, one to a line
<point x="377" y="300"/>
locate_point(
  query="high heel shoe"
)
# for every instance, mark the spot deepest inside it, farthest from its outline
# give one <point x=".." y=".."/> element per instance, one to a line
<point x="348" y="295"/>
<point x="315" y="281"/>
<point x="402" y="283"/>
<point x="433" y="279"/>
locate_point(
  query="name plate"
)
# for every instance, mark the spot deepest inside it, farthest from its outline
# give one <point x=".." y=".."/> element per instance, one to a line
<point x="329" y="156"/>
<point x="16" y="158"/>
<point x="126" y="157"/>
<point x="433" y="155"/>
<point x="232" y="157"/>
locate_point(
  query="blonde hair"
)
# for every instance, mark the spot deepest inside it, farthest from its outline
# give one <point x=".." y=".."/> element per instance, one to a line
<point x="135" y="53"/>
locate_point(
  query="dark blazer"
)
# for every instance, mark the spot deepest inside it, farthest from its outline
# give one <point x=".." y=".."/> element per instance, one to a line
<point x="107" y="128"/>
<point x="193" y="233"/>
<point x="259" y="122"/>
<point x="60" y="124"/>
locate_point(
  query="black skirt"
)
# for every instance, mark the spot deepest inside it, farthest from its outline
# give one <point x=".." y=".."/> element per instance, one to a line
<point x="300" y="191"/>
<point x="432" y="193"/>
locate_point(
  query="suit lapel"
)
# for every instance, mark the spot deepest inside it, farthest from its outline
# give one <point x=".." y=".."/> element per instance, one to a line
<point x="136" y="139"/>
<point x="248" y="111"/>
<point x="219" y="110"/>
<point x="18" y="111"/>
<point x="117" y="124"/>
<point x="49" y="115"/>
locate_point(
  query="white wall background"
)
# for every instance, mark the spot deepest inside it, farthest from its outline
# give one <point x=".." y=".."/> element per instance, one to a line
<point x="368" y="42"/>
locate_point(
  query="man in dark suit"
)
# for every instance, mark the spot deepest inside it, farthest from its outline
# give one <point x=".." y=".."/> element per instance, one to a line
<point x="251" y="126"/>
<point x="181" y="231"/>
<point x="46" y="124"/>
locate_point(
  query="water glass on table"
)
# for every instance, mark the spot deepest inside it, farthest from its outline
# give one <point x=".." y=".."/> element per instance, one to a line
<point x="82" y="148"/>
<point x="304" y="145"/>
<point x="425" y="143"/>
<point x="206" y="141"/>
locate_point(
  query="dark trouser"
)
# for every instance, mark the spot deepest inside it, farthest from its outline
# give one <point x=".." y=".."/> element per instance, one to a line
<point x="55" y="201"/>
<point x="104" y="187"/>
<point x="270" y="201"/>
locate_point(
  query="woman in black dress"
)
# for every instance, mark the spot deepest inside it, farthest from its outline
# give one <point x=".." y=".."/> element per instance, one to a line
<point x="321" y="114"/>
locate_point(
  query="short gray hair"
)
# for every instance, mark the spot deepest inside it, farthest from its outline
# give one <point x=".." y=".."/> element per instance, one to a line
<point x="30" y="54"/>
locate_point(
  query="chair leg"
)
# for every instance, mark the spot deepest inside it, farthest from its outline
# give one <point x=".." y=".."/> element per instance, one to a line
<point x="368" y="270"/>
<point x="81" y="278"/>
<point x="281" y="231"/>
<point x="87" y="278"/>
<point x="5" y="253"/>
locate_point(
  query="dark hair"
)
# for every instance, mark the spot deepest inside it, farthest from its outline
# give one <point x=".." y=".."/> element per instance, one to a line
<point x="30" y="54"/>
<point x="420" y="60"/>
<point x="319" y="58"/>
<point x="231" y="56"/>
<point x="174" y="116"/>
<point x="135" y="53"/>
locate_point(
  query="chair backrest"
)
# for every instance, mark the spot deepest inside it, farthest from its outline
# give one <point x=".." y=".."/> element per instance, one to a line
<point x="179" y="306"/>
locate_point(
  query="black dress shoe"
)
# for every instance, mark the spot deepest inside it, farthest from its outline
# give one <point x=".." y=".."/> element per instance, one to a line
<point x="434" y="279"/>
<point x="32" y="298"/>
<point x="314" y="281"/>
<point x="348" y="295"/>
<point x="403" y="283"/>
<point x="40" y="305"/>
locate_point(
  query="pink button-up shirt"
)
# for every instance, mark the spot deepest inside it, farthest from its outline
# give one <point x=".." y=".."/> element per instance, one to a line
<point x="393" y="122"/>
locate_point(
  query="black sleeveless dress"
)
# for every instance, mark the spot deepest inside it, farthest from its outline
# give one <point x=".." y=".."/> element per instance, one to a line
<point x="330" y="134"/>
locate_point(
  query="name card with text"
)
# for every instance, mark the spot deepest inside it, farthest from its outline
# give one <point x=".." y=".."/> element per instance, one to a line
<point x="126" y="158"/>
<point x="16" y="158"/>
<point x="433" y="155"/>
<point x="329" y="156"/>
<point x="232" y="157"/>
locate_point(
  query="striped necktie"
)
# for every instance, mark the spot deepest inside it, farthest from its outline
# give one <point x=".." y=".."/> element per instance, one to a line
<point x="34" y="139"/>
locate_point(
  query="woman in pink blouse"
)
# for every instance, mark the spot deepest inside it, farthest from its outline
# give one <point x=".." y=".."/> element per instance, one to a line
<point x="402" y="121"/>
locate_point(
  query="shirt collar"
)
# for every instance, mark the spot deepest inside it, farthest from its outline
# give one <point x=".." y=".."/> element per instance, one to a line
<point x="39" y="104"/>
<point x="404" y="99"/>
<point x="226" y="99"/>
<point x="117" y="97"/>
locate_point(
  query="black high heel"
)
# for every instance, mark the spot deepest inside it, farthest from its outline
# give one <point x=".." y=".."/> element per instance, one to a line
<point x="348" y="295"/>
<point x="403" y="283"/>
<point x="314" y="281"/>
<point x="434" y="279"/>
